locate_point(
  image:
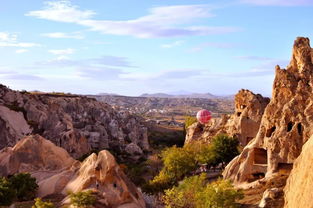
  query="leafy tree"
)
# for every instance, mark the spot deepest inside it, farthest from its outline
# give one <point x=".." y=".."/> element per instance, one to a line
<point x="219" y="194"/>
<point x="224" y="148"/>
<point x="41" y="204"/>
<point x="83" y="199"/>
<point x="25" y="186"/>
<point x="194" y="192"/>
<point x="177" y="163"/>
<point x="7" y="193"/>
<point x="181" y="162"/>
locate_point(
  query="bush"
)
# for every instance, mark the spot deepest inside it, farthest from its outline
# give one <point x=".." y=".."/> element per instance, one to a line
<point x="7" y="193"/>
<point x="41" y="204"/>
<point x="82" y="199"/>
<point x="194" y="192"/>
<point x="24" y="185"/>
<point x="224" y="148"/>
<point x="189" y="120"/>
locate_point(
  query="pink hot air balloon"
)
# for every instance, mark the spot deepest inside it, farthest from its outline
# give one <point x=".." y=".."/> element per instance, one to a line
<point x="203" y="116"/>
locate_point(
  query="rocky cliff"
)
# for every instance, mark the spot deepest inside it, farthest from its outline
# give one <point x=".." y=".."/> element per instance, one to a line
<point x="76" y="123"/>
<point x="243" y="124"/>
<point x="299" y="187"/>
<point x="58" y="173"/>
<point x="286" y="124"/>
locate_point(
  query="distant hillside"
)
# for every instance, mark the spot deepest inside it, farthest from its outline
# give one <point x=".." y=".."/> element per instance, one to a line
<point x="187" y="95"/>
<point x="167" y="107"/>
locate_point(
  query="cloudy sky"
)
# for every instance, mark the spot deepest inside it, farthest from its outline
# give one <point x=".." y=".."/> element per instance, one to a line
<point x="132" y="47"/>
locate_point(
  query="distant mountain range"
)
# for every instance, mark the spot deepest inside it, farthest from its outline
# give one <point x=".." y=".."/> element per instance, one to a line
<point x="188" y="95"/>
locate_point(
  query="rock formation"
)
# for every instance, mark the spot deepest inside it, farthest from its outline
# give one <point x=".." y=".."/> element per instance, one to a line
<point x="299" y="187"/>
<point x="286" y="124"/>
<point x="76" y="123"/>
<point x="57" y="172"/>
<point x="243" y="124"/>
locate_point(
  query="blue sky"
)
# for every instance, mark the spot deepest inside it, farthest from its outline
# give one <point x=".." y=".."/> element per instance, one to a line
<point x="132" y="47"/>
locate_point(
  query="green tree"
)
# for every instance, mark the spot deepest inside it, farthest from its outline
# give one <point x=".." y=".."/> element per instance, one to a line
<point x="177" y="163"/>
<point x="224" y="148"/>
<point x="7" y="193"/>
<point x="41" y="204"/>
<point x="25" y="186"/>
<point x="194" y="192"/>
<point x="219" y="194"/>
<point x="82" y="199"/>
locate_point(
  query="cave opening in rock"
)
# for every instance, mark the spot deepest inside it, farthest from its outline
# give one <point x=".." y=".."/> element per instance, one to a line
<point x="258" y="175"/>
<point x="285" y="166"/>
<point x="299" y="127"/>
<point x="270" y="131"/>
<point x="243" y="106"/>
<point x="260" y="156"/>
<point x="289" y="126"/>
<point x="238" y="114"/>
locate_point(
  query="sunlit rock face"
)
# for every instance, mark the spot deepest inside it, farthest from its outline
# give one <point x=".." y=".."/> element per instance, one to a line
<point x="57" y="172"/>
<point x="299" y="187"/>
<point x="76" y="123"/>
<point x="286" y="124"/>
<point x="243" y="124"/>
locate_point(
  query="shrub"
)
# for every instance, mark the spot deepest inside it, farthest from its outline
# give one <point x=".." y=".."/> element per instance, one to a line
<point x="7" y="193"/>
<point x="24" y="185"/>
<point x="189" y="120"/>
<point x="41" y="204"/>
<point x="82" y="199"/>
<point x="194" y="192"/>
<point x="224" y="148"/>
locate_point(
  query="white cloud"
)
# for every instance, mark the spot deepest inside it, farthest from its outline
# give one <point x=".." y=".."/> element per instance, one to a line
<point x="173" y="44"/>
<point x="21" y="51"/>
<point x="67" y="51"/>
<point x="166" y="21"/>
<point x="75" y="35"/>
<point x="10" y="40"/>
<point x="7" y="37"/>
<point x="62" y="11"/>
<point x="278" y="2"/>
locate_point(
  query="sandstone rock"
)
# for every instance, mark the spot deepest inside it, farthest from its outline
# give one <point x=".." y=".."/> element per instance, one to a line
<point x="103" y="175"/>
<point x="76" y="123"/>
<point x="286" y="124"/>
<point x="57" y="172"/>
<point x="299" y="187"/>
<point x="243" y="124"/>
<point x="13" y="127"/>
<point x="268" y="195"/>
<point x="34" y="154"/>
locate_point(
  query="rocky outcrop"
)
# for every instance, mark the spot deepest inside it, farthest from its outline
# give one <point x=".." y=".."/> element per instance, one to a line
<point x="243" y="124"/>
<point x="103" y="175"/>
<point x="299" y="187"/>
<point x="57" y="172"/>
<point x="286" y="124"/>
<point x="75" y="123"/>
